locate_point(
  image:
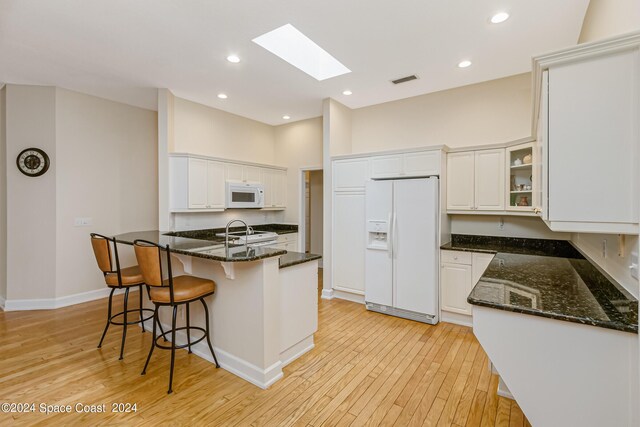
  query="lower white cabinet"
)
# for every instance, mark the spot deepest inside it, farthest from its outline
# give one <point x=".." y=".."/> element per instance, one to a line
<point x="459" y="273"/>
<point x="288" y="242"/>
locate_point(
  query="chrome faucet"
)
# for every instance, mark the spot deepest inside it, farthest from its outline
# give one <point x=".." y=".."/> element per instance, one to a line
<point x="226" y="234"/>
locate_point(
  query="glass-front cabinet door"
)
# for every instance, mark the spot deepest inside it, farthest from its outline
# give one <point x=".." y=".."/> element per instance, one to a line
<point x="520" y="182"/>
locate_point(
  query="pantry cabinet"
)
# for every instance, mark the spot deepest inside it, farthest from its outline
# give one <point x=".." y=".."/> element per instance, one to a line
<point x="589" y="119"/>
<point x="475" y="180"/>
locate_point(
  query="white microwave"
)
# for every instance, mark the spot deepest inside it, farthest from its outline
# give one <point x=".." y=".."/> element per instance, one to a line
<point x="244" y="195"/>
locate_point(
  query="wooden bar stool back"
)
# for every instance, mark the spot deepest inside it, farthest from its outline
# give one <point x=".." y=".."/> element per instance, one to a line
<point x="172" y="292"/>
<point x="118" y="278"/>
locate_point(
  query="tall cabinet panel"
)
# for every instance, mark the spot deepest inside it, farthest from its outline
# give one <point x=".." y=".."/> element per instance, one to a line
<point x="349" y="242"/>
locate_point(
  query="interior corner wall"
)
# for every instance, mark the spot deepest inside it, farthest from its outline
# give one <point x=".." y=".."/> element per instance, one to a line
<point x="31" y="201"/>
<point x="490" y="112"/>
<point x="607" y="18"/>
<point x="340" y="129"/>
<point x="106" y="170"/>
<point x="3" y="197"/>
<point x="298" y="145"/>
<point x="199" y="129"/>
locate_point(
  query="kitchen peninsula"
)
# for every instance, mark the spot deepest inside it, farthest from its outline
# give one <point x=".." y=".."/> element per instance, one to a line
<point x="264" y="312"/>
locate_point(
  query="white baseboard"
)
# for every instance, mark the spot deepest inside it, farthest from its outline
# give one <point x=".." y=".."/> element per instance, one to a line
<point x="53" y="303"/>
<point x="348" y="296"/>
<point x="456" y="318"/>
<point x="503" y="390"/>
<point x="327" y="294"/>
<point x="262" y="378"/>
<point x="2" y="302"/>
<point x="292" y="353"/>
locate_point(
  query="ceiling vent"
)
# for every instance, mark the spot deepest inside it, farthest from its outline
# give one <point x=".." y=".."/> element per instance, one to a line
<point x="404" y="79"/>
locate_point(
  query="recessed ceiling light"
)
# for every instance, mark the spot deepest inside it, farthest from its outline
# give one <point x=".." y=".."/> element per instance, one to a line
<point x="222" y="95"/>
<point x="464" y="64"/>
<point x="288" y="43"/>
<point x="499" y="17"/>
<point x="286" y="117"/>
<point x="347" y="92"/>
<point x="233" y="58"/>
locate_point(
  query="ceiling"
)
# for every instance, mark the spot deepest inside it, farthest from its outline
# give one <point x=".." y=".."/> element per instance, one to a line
<point x="123" y="49"/>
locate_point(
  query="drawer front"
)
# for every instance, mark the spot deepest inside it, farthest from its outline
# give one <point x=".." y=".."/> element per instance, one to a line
<point x="455" y="257"/>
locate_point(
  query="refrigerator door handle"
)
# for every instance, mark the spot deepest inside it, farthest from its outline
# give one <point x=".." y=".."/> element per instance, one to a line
<point x="390" y="236"/>
<point x="394" y="239"/>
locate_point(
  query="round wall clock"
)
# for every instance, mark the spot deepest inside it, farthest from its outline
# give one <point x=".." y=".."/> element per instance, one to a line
<point x="33" y="162"/>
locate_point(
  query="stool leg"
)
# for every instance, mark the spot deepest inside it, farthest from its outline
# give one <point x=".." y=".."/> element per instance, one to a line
<point x="108" y="318"/>
<point x="188" y="329"/>
<point x="206" y="324"/>
<point x="141" y="317"/>
<point x="153" y="340"/>
<point x="124" y="327"/>
<point x="173" y="347"/>
<point x="158" y="321"/>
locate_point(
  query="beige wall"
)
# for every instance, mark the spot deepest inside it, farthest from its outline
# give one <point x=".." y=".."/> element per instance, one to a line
<point x="512" y="226"/>
<point x="484" y="113"/>
<point x="315" y="210"/>
<point x="298" y="145"/>
<point x="3" y="198"/>
<point x="606" y="18"/>
<point x="340" y="128"/>
<point x="207" y="131"/>
<point x="106" y="170"/>
<point x="31" y="202"/>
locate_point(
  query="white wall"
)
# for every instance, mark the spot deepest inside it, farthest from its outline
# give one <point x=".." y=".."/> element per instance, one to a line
<point x="298" y="145"/>
<point x="606" y="18"/>
<point x="3" y="198"/>
<point x="107" y="170"/>
<point x="210" y="132"/>
<point x="484" y="113"/>
<point x="31" y="202"/>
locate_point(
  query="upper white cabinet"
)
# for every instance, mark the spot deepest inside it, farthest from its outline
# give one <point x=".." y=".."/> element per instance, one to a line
<point x="350" y="174"/>
<point x="406" y="165"/>
<point x="592" y="125"/>
<point x="198" y="183"/>
<point x="275" y="188"/>
<point x="475" y="180"/>
<point x="521" y="184"/>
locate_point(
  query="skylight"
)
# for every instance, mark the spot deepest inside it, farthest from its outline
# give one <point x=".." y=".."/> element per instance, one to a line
<point x="300" y="51"/>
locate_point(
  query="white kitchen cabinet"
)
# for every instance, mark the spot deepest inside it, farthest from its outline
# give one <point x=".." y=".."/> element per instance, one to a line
<point x="348" y="242"/>
<point x="196" y="184"/>
<point x="475" y="180"/>
<point x="592" y="136"/>
<point x="244" y="173"/>
<point x="288" y="242"/>
<point x="350" y="174"/>
<point x="522" y="185"/>
<point x="406" y="165"/>
<point x="252" y="174"/>
<point x="275" y="188"/>
<point x="459" y="273"/>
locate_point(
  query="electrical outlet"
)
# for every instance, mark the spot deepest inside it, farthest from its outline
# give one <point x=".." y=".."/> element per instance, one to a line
<point x="633" y="268"/>
<point x="501" y="224"/>
<point x="82" y="222"/>
<point x="604" y="248"/>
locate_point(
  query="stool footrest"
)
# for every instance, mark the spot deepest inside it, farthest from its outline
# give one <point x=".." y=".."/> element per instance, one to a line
<point x="187" y="328"/>
<point x="133" y="322"/>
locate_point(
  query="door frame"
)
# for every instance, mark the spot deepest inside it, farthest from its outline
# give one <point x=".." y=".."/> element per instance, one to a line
<point x="302" y="227"/>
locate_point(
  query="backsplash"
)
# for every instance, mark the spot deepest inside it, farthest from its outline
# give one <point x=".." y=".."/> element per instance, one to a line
<point x="205" y="220"/>
<point x="504" y="226"/>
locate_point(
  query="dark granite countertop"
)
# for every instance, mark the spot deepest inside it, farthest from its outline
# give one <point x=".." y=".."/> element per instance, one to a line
<point x="295" y="258"/>
<point x="208" y="249"/>
<point x="210" y="233"/>
<point x="548" y="278"/>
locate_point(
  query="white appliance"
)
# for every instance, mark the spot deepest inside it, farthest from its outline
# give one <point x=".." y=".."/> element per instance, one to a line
<point x="401" y="261"/>
<point x="244" y="195"/>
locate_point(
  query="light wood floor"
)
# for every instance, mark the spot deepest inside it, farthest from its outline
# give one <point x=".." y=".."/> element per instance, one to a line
<point x="366" y="368"/>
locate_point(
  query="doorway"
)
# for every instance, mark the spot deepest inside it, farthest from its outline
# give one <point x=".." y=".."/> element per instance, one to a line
<point x="311" y="212"/>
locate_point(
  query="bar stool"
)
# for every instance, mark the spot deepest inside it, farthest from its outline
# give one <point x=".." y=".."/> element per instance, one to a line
<point x="118" y="278"/>
<point x="172" y="292"/>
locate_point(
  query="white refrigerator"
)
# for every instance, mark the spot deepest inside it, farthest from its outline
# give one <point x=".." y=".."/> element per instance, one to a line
<point x="401" y="261"/>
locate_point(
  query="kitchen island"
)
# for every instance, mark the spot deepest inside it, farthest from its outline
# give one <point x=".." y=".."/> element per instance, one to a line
<point x="263" y="314"/>
<point x="561" y="333"/>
